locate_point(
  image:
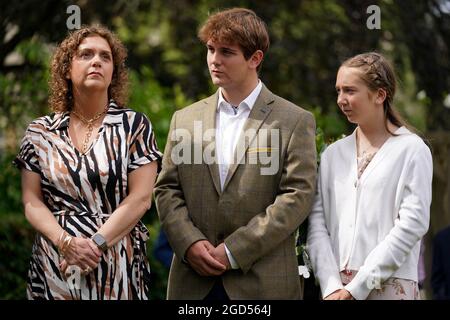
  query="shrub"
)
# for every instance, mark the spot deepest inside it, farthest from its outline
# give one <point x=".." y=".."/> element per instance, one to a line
<point x="16" y="241"/>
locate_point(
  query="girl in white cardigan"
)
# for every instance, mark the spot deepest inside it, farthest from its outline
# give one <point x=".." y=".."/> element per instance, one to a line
<point x="373" y="193"/>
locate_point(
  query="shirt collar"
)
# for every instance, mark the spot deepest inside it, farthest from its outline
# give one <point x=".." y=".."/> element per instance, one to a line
<point x="401" y="130"/>
<point x="249" y="101"/>
<point x="114" y="115"/>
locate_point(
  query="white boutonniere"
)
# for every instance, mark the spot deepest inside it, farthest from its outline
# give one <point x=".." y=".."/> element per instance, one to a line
<point x="304" y="270"/>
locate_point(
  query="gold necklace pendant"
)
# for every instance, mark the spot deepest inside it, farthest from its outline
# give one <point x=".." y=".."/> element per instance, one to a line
<point x="90" y="126"/>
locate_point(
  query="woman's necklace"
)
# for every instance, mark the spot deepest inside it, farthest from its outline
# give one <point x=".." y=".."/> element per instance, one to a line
<point x="90" y="126"/>
<point x="364" y="156"/>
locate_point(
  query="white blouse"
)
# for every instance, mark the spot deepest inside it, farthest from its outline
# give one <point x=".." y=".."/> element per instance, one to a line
<point x="373" y="224"/>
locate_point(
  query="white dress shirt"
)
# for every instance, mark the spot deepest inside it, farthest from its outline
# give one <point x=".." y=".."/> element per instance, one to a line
<point x="230" y="121"/>
<point x="374" y="224"/>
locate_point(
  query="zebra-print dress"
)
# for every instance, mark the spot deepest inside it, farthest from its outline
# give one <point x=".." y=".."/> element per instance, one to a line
<point x="82" y="191"/>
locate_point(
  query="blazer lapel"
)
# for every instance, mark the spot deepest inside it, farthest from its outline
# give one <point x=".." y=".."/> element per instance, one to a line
<point x="209" y="131"/>
<point x="259" y="113"/>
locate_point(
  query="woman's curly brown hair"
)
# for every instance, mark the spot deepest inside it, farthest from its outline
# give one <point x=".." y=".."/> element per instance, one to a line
<point x="61" y="96"/>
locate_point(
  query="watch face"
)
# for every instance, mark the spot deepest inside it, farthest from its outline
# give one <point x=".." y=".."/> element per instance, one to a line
<point x="99" y="241"/>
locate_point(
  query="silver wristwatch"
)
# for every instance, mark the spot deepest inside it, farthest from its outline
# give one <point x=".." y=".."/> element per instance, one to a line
<point x="100" y="241"/>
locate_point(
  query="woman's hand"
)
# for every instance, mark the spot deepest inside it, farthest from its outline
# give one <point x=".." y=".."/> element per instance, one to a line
<point x="83" y="253"/>
<point x="340" y="294"/>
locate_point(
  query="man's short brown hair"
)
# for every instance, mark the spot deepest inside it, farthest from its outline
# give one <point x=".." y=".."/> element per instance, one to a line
<point x="237" y="26"/>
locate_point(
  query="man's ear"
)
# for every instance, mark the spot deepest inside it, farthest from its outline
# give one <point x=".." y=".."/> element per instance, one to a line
<point x="256" y="59"/>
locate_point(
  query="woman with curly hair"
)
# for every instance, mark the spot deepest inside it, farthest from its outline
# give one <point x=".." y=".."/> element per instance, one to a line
<point x="88" y="172"/>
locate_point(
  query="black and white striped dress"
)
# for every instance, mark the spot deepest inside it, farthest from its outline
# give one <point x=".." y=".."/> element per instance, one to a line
<point x="82" y="191"/>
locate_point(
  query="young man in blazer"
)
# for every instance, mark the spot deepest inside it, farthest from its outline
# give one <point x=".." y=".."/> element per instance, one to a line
<point x="238" y="175"/>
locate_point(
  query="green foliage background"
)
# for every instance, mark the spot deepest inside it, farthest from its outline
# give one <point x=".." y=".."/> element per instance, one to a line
<point x="168" y="71"/>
